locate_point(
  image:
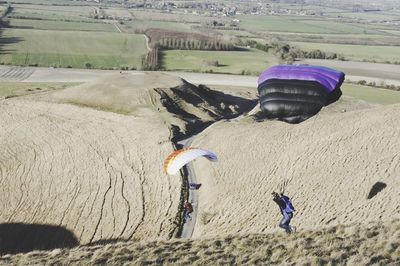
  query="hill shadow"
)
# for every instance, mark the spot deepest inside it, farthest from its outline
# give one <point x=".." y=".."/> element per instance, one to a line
<point x="20" y="237"/>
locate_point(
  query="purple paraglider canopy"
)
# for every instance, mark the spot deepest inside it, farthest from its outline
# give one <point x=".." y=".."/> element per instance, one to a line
<point x="329" y="78"/>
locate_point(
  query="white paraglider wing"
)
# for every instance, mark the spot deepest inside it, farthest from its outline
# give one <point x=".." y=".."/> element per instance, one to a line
<point x="176" y="160"/>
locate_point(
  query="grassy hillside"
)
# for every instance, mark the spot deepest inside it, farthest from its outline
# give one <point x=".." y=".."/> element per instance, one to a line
<point x="372" y="244"/>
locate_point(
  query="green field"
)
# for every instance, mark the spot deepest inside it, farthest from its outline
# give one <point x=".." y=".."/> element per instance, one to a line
<point x="48" y="17"/>
<point x="73" y="48"/>
<point x="336" y="27"/>
<point x="52" y="2"/>
<point x="370" y="94"/>
<point x="356" y="52"/>
<point x="132" y="26"/>
<point x="393" y="32"/>
<point x="71" y="10"/>
<point x="62" y="33"/>
<point x="71" y="13"/>
<point x="368" y="15"/>
<point x="302" y="25"/>
<point x="308" y="7"/>
<point x="61" y="25"/>
<point x="251" y="62"/>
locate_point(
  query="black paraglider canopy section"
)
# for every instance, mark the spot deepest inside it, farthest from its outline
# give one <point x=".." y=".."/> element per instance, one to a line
<point x="294" y="101"/>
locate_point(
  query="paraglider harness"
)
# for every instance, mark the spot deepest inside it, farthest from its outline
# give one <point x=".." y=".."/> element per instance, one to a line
<point x="284" y="203"/>
<point x="288" y="204"/>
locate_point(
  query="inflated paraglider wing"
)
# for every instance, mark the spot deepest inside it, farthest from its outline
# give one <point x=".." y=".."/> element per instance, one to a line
<point x="294" y="93"/>
<point x="292" y="101"/>
<point x="329" y="78"/>
<point x="176" y="160"/>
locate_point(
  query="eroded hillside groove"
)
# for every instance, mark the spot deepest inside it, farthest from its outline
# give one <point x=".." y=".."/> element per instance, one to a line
<point x="197" y="107"/>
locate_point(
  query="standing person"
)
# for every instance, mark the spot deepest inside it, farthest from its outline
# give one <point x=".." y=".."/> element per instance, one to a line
<point x="286" y="208"/>
<point x="187" y="209"/>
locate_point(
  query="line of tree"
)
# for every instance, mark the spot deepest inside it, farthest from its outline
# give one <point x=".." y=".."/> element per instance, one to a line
<point x="167" y="39"/>
<point x="151" y="60"/>
<point x="50" y="19"/>
<point x="253" y="44"/>
<point x="381" y="84"/>
<point x="5" y="11"/>
<point x="194" y="44"/>
<point x="289" y="53"/>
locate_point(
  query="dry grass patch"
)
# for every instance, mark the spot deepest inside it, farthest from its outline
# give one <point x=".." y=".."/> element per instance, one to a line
<point x="372" y="244"/>
<point x="14" y="89"/>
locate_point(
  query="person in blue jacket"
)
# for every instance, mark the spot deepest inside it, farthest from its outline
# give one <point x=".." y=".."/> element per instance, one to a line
<point x="287" y="209"/>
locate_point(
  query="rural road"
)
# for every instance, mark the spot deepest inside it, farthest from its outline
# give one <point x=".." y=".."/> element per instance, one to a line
<point x="85" y="75"/>
<point x="380" y="73"/>
<point x="355" y="71"/>
<point x="147" y="42"/>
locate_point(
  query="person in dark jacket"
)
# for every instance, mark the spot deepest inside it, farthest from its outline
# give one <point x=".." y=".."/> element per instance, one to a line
<point x="286" y="208"/>
<point x="188" y="209"/>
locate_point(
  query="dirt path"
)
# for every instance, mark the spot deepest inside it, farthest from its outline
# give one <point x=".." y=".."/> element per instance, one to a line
<point x="84" y="75"/>
<point x="189" y="226"/>
<point x="355" y="71"/>
<point x="147" y="42"/>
